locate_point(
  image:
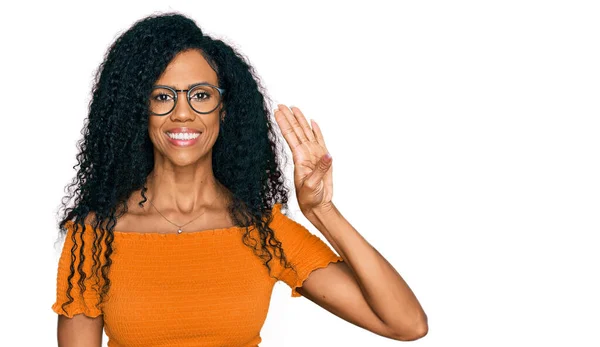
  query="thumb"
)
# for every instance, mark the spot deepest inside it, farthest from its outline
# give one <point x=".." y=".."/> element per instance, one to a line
<point x="317" y="176"/>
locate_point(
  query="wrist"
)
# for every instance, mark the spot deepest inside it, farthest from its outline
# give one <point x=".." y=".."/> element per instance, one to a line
<point x="320" y="213"/>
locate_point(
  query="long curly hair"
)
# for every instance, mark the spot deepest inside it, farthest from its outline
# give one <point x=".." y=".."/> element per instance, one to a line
<point x="115" y="155"/>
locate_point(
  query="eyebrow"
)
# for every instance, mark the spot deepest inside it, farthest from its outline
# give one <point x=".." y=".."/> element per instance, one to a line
<point x="193" y="84"/>
<point x="189" y="85"/>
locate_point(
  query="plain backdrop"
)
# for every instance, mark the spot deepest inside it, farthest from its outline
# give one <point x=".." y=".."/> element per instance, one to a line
<point x="465" y="143"/>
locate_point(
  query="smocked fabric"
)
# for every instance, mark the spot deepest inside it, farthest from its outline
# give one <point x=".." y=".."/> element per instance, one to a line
<point x="201" y="288"/>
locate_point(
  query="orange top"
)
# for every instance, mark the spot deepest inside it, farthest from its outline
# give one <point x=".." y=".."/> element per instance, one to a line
<point x="202" y="288"/>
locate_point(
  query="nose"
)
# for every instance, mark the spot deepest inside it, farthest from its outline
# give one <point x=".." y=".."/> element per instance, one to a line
<point x="182" y="111"/>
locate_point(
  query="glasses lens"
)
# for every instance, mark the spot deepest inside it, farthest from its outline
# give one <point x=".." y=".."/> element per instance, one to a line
<point x="204" y="99"/>
<point x="162" y="100"/>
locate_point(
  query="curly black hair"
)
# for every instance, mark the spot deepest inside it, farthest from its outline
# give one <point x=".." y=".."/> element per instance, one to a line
<point x="115" y="155"/>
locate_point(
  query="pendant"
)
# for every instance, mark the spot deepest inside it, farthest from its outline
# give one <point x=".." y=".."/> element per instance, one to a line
<point x="179" y="231"/>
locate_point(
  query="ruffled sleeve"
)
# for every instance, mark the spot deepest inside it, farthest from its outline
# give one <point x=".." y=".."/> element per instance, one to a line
<point x="86" y="303"/>
<point x="304" y="250"/>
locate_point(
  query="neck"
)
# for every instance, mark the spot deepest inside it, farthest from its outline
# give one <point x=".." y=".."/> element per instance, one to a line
<point x="184" y="189"/>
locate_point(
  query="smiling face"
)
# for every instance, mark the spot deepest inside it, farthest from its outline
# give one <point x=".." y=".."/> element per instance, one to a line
<point x="184" y="136"/>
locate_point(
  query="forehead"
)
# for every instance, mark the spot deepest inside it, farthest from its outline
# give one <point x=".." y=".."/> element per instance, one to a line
<point x="187" y="68"/>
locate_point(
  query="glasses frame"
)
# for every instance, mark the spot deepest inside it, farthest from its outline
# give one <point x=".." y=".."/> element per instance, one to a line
<point x="188" y="97"/>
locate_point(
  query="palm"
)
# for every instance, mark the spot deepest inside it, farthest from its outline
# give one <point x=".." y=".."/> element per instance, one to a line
<point x="308" y="147"/>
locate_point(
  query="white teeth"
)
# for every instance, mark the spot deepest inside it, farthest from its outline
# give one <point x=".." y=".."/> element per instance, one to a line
<point x="183" y="136"/>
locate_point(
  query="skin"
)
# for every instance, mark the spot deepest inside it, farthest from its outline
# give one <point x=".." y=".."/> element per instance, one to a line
<point x="364" y="289"/>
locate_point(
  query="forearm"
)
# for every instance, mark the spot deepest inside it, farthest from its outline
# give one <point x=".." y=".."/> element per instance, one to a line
<point x="383" y="288"/>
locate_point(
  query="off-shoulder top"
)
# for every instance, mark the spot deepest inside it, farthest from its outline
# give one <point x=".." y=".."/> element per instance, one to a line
<point x="202" y="288"/>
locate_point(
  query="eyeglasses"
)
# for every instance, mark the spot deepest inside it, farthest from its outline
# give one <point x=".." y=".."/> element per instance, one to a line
<point x="202" y="98"/>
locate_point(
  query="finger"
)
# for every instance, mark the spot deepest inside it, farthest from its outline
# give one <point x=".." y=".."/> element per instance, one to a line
<point x="294" y="123"/>
<point x="318" y="133"/>
<point x="328" y="180"/>
<point x="286" y="129"/>
<point x="308" y="132"/>
<point x="317" y="176"/>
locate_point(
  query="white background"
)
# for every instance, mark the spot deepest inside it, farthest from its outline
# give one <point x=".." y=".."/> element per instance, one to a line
<point x="465" y="147"/>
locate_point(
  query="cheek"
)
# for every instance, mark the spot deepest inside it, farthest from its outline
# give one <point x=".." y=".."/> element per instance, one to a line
<point x="154" y="130"/>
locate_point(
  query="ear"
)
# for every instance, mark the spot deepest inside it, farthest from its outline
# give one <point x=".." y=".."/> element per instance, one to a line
<point x="222" y="112"/>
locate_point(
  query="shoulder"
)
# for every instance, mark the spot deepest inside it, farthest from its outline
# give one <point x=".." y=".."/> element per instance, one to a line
<point x="286" y="229"/>
<point x="279" y="218"/>
<point x="90" y="219"/>
<point x="72" y="228"/>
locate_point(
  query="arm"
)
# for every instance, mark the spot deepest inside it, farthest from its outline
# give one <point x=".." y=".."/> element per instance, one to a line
<point x="80" y="331"/>
<point x="364" y="289"/>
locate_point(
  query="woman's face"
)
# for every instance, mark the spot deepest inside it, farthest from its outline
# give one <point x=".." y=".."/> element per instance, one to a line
<point x="166" y="132"/>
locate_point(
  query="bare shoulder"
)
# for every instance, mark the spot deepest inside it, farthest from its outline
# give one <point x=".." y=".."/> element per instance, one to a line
<point x="133" y="211"/>
<point x="91" y="217"/>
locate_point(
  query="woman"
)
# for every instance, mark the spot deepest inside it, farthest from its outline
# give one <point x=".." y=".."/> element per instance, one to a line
<point x="178" y="120"/>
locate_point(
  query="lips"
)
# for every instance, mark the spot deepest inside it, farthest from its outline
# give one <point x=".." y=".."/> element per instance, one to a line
<point x="183" y="137"/>
<point x="183" y="130"/>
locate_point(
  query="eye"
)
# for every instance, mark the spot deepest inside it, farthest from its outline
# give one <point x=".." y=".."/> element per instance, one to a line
<point x="163" y="97"/>
<point x="160" y="95"/>
<point x="199" y="96"/>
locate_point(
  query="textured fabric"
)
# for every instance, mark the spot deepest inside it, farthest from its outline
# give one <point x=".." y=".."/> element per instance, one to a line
<point x="202" y="288"/>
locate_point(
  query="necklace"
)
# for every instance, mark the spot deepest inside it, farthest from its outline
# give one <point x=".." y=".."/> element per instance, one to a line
<point x="179" y="227"/>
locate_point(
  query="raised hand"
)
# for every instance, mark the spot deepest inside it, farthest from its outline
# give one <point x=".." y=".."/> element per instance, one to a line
<point x="312" y="163"/>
